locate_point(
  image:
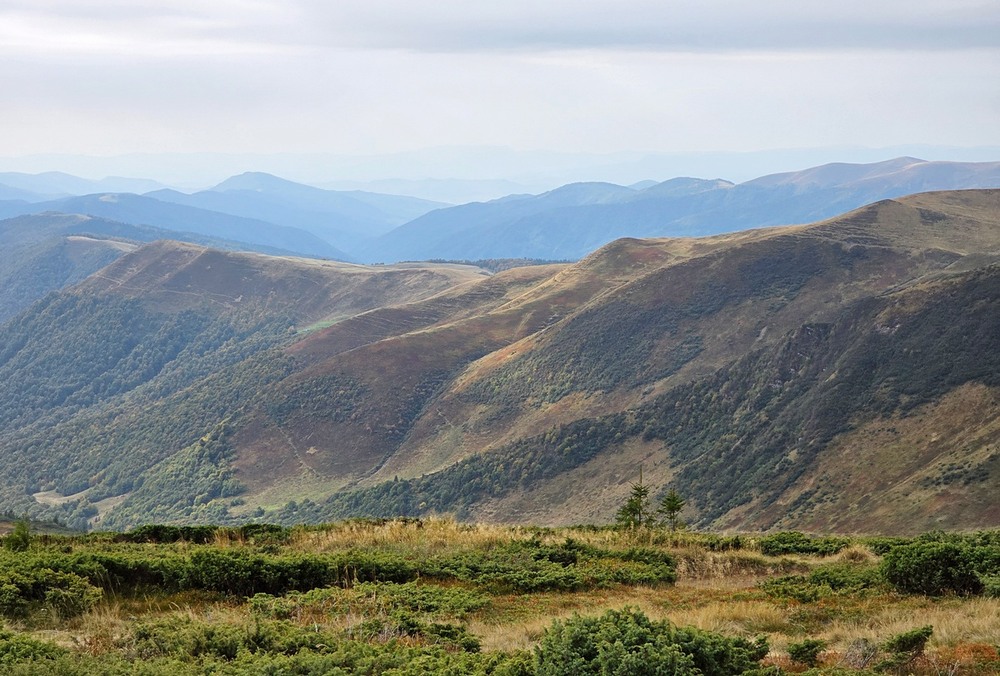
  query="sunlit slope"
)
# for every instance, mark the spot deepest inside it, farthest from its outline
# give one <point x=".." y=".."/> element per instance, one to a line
<point x="150" y="354"/>
<point x="670" y="316"/>
<point x="746" y="370"/>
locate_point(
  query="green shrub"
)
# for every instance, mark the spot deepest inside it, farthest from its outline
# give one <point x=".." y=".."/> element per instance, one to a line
<point x="626" y="642"/>
<point x="847" y="577"/>
<point x="17" y="648"/>
<point x="721" y="543"/>
<point x="910" y="642"/>
<point x="904" y="648"/>
<point x="824" y="581"/>
<point x="795" y="587"/>
<point x="793" y="542"/>
<point x="241" y="573"/>
<point x="20" y="538"/>
<point x="66" y="594"/>
<point x="164" y="534"/>
<point x="932" y="568"/>
<point x="508" y="569"/>
<point x="69" y="595"/>
<point x="882" y="545"/>
<point x="272" y="607"/>
<point x="991" y="585"/>
<point x="371" y="598"/>
<point x="806" y="652"/>
<point x="424" y="598"/>
<point x="188" y="639"/>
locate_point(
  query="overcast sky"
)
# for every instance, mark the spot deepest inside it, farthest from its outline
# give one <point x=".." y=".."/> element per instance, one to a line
<point x="367" y="77"/>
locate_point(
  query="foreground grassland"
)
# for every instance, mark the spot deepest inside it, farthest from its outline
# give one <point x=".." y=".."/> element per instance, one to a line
<point x="434" y="596"/>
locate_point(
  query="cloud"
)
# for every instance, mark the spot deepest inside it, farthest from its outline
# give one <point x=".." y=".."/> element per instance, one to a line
<point x="677" y="26"/>
<point x="388" y="75"/>
<point x="228" y="27"/>
<point x="179" y="29"/>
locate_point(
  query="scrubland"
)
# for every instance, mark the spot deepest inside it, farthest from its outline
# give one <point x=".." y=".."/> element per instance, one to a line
<point x="436" y="596"/>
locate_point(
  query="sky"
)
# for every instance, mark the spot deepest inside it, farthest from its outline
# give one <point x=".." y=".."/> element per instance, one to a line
<point x="384" y="77"/>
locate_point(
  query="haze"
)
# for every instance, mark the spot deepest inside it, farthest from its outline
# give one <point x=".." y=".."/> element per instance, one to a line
<point x="383" y="79"/>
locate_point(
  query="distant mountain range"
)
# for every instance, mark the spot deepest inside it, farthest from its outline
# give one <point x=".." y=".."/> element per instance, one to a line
<point x="345" y="219"/>
<point x="842" y="376"/>
<point x="574" y="220"/>
<point x="567" y="223"/>
<point x="258" y="210"/>
<point x="54" y="184"/>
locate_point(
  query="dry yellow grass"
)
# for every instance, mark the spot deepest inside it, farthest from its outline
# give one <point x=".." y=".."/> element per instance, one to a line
<point x="955" y="621"/>
<point x="424" y="537"/>
<point x="697" y="563"/>
<point x="511" y="625"/>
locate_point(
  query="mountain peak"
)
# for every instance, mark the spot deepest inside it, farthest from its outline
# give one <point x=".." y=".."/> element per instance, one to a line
<point x="258" y="181"/>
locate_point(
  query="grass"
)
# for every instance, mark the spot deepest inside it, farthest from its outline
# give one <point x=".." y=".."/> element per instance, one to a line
<point x="716" y="591"/>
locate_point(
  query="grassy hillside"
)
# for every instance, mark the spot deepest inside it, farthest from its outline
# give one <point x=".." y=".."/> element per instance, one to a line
<point x="51" y="251"/>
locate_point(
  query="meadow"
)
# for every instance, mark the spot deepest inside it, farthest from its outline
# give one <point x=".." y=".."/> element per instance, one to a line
<point x="420" y="596"/>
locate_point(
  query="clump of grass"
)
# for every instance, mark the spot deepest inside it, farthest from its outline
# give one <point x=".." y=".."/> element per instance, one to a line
<point x="101" y="629"/>
<point x="744" y="617"/>
<point x="421" y="537"/>
<point x="697" y="563"/>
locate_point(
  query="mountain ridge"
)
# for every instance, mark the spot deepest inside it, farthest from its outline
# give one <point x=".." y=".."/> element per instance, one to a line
<point x="566" y="223"/>
<point x="537" y="227"/>
<point x="743" y="369"/>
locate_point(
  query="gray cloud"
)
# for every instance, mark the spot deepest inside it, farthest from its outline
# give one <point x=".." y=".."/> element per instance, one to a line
<point x="379" y="76"/>
<point x="229" y="26"/>
<point x="685" y="25"/>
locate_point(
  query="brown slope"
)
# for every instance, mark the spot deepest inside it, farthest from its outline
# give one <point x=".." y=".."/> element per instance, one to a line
<point x="885" y="420"/>
<point x="936" y="467"/>
<point x="173" y="276"/>
<point x="483" y="365"/>
<point x="724" y="295"/>
<point x="400" y="358"/>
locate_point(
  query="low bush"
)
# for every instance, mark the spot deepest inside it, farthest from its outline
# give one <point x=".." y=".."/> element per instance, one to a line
<point x="904" y="649"/>
<point x="627" y="643"/>
<point x="932" y="568"/>
<point x="824" y="581"/>
<point x="18" y="648"/>
<point x="991" y="585"/>
<point x="882" y="545"/>
<point x="806" y="652"/>
<point x="164" y="534"/>
<point x="793" y="542"/>
<point x="28" y="589"/>
<point x="370" y="598"/>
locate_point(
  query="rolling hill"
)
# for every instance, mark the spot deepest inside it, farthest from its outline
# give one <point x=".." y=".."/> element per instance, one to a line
<point x="49" y="251"/>
<point x="841" y="375"/>
<point x="266" y="212"/>
<point x="156" y="350"/>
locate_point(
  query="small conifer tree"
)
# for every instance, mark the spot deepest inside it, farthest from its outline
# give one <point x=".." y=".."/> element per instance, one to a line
<point x="670" y="507"/>
<point x="636" y="512"/>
